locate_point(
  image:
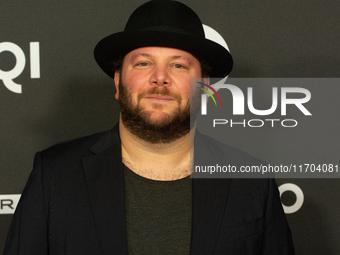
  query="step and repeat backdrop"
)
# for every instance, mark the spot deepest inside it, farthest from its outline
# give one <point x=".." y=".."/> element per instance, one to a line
<point x="51" y="90"/>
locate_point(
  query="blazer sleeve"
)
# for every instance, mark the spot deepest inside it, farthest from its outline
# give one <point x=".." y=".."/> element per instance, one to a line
<point x="277" y="235"/>
<point x="28" y="230"/>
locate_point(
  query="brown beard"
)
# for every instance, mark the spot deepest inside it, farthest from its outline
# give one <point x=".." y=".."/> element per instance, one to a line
<point x="169" y="128"/>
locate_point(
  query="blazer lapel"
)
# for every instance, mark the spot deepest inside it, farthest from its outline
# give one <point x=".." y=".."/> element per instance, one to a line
<point x="105" y="184"/>
<point x="209" y="201"/>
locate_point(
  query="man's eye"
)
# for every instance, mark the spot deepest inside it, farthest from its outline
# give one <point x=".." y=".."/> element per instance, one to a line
<point x="142" y="64"/>
<point x="179" y="66"/>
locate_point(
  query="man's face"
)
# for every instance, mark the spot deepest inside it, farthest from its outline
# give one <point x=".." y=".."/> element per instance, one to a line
<point x="154" y="92"/>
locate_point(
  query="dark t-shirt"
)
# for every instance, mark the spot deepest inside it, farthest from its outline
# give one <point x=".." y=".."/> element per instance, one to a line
<point x="158" y="215"/>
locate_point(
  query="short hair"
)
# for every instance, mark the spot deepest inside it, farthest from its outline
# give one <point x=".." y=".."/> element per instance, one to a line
<point x="117" y="64"/>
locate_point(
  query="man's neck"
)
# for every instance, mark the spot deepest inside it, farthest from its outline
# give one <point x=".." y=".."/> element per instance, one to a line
<point x="160" y="161"/>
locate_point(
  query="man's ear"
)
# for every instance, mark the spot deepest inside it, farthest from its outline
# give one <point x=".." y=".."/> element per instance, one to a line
<point x="116" y="80"/>
<point x="206" y="80"/>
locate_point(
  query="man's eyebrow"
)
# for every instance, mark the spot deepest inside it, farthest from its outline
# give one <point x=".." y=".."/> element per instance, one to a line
<point x="147" y="55"/>
<point x="180" y="57"/>
<point x="140" y="54"/>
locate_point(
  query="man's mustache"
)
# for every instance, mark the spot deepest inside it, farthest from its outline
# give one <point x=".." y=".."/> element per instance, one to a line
<point x="163" y="91"/>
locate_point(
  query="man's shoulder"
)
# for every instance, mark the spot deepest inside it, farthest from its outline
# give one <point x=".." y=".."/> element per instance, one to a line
<point x="224" y="152"/>
<point x="82" y="146"/>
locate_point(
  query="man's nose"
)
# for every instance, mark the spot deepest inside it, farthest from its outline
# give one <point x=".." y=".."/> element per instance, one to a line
<point x="160" y="76"/>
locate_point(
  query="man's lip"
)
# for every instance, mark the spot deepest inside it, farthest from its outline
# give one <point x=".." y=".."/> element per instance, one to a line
<point x="159" y="97"/>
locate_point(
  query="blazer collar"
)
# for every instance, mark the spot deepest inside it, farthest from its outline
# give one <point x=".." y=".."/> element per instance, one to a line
<point x="104" y="178"/>
<point x="109" y="139"/>
<point x="209" y="199"/>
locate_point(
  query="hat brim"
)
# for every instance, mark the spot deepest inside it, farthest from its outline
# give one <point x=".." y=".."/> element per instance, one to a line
<point x="120" y="44"/>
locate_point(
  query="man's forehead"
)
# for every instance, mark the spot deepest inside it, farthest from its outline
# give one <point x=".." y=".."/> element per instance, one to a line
<point x="155" y="52"/>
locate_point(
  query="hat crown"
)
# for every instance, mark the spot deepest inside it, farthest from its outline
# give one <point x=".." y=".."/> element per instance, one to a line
<point x="163" y="23"/>
<point x="166" y="16"/>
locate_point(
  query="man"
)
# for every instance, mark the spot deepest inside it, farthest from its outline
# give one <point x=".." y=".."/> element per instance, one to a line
<point x="128" y="191"/>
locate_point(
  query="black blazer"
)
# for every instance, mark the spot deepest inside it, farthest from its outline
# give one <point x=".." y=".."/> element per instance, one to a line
<point x="73" y="203"/>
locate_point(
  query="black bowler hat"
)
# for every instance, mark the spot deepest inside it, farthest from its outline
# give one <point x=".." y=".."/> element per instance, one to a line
<point x="168" y="24"/>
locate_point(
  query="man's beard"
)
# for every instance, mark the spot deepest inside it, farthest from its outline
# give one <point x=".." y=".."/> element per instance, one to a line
<point x="168" y="128"/>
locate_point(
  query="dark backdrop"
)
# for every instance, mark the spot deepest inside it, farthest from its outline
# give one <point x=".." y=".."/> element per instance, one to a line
<point x="73" y="97"/>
